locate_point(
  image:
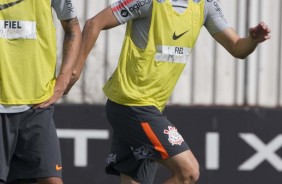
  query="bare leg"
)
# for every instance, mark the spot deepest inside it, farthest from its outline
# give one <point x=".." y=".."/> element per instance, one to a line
<point x="124" y="179"/>
<point x="51" y="180"/>
<point x="184" y="168"/>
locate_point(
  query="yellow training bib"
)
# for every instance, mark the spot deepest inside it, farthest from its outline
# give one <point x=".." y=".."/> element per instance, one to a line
<point x="28" y="51"/>
<point x="148" y="76"/>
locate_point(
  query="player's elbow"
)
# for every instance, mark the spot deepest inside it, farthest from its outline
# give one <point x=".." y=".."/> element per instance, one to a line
<point x="92" y="24"/>
<point x="97" y="23"/>
<point x="89" y="24"/>
<point x="239" y="53"/>
<point x="91" y="30"/>
<point x="240" y="56"/>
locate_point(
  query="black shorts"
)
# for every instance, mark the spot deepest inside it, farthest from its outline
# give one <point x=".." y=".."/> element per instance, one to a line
<point x="141" y="136"/>
<point x="29" y="146"/>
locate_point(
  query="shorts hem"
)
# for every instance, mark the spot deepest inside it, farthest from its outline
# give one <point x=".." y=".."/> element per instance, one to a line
<point x="34" y="176"/>
<point x="110" y="170"/>
<point x="176" y="153"/>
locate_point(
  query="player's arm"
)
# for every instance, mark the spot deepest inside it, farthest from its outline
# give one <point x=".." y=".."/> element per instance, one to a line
<point x="242" y="47"/>
<point x="92" y="28"/>
<point x="71" y="46"/>
<point x="218" y="27"/>
<point x="119" y="12"/>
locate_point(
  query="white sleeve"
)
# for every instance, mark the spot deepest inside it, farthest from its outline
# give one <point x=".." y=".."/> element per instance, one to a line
<point x="214" y="17"/>
<point x="64" y="9"/>
<point x="125" y="10"/>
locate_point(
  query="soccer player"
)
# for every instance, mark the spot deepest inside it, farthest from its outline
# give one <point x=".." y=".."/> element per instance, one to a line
<point x="159" y="37"/>
<point x="29" y="146"/>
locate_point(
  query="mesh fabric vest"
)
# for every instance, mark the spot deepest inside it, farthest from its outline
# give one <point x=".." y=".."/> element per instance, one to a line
<point x="28" y="51"/>
<point x="148" y="76"/>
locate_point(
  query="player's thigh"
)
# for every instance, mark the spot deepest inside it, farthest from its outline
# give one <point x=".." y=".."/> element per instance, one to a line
<point x="51" y="180"/>
<point x="124" y="179"/>
<point x="183" y="163"/>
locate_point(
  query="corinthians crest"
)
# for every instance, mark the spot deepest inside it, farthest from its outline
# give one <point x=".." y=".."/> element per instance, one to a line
<point x="173" y="136"/>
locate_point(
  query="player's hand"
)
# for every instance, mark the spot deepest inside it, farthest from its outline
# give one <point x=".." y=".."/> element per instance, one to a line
<point x="260" y="33"/>
<point x="59" y="90"/>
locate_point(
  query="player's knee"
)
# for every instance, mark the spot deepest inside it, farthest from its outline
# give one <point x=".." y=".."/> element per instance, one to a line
<point x="189" y="175"/>
<point x="195" y="174"/>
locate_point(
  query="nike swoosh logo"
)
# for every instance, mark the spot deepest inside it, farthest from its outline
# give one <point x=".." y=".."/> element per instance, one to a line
<point x="176" y="37"/>
<point x="58" y="168"/>
<point x="8" y="5"/>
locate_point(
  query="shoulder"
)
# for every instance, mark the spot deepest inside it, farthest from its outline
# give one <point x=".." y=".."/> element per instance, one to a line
<point x="131" y="5"/>
<point x="65" y="9"/>
<point x="126" y="10"/>
<point x="215" y="20"/>
<point x="213" y="7"/>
